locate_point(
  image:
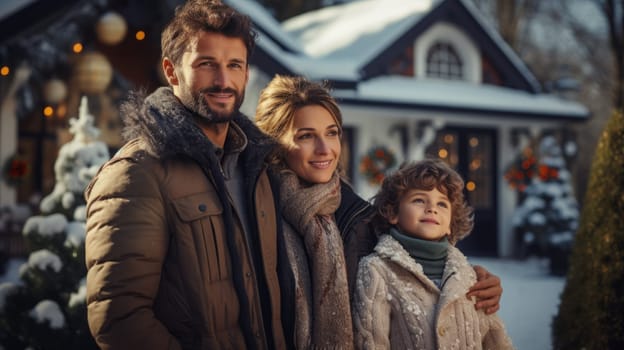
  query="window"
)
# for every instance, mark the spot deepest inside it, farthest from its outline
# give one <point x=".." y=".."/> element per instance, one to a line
<point x="444" y="62"/>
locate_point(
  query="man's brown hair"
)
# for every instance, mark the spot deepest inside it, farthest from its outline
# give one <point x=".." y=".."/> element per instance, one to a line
<point x="211" y="16"/>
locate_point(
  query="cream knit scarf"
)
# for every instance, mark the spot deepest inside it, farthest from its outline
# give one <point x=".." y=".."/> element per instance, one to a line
<point x="309" y="210"/>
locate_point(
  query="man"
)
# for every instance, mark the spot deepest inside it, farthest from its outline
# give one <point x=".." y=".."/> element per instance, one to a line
<point x="181" y="242"/>
<point x="182" y="229"/>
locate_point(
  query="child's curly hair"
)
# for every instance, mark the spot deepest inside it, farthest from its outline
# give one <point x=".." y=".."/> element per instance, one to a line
<point x="425" y="175"/>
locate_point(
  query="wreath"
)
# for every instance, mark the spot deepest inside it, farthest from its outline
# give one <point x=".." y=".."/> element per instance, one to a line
<point x="520" y="173"/>
<point x="375" y="163"/>
<point x="16" y="169"/>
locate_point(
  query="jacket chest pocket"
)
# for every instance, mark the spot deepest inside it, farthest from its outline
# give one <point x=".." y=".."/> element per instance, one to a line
<point x="202" y="234"/>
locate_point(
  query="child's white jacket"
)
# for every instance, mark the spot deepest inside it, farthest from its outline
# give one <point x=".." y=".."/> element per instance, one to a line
<point x="397" y="307"/>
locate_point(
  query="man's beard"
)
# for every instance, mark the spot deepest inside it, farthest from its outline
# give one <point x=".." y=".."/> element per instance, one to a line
<point x="198" y="104"/>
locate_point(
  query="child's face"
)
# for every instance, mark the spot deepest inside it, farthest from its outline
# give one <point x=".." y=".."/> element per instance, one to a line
<point x="424" y="214"/>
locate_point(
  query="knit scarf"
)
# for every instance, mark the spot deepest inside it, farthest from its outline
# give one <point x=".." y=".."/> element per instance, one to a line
<point x="431" y="255"/>
<point x="309" y="210"/>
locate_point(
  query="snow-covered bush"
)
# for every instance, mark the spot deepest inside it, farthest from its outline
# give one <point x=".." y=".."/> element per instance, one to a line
<point x="46" y="308"/>
<point x="547" y="217"/>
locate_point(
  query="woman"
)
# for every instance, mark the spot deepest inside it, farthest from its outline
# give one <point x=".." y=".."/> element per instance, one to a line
<point x="306" y="121"/>
<point x="326" y="229"/>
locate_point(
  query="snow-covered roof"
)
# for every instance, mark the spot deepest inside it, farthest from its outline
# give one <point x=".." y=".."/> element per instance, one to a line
<point x="355" y="31"/>
<point x="313" y="68"/>
<point x="266" y="24"/>
<point x="289" y="50"/>
<point x="462" y="95"/>
<point x="359" y="31"/>
<point x="7" y="7"/>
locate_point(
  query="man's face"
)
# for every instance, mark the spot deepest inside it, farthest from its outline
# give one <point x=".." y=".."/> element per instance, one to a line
<point x="211" y="77"/>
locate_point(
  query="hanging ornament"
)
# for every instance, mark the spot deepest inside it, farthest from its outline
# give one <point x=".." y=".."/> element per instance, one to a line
<point x="54" y="91"/>
<point x="93" y="73"/>
<point x="111" y="28"/>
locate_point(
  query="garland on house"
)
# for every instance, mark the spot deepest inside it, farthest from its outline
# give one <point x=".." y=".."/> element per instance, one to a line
<point x="377" y="161"/>
<point x="15" y="170"/>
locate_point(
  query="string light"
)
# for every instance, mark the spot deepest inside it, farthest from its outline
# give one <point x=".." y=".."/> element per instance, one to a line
<point x="475" y="164"/>
<point x="48" y="111"/>
<point x="61" y="110"/>
<point x="77" y="48"/>
<point x="111" y="28"/>
<point x="471" y="186"/>
<point x="4" y="71"/>
<point x="442" y="153"/>
<point x="140" y="35"/>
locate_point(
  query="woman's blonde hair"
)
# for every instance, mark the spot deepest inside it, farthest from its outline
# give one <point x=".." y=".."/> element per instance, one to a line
<point x="279" y="101"/>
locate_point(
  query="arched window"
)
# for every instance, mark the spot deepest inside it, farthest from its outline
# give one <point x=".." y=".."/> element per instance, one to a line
<point x="443" y="62"/>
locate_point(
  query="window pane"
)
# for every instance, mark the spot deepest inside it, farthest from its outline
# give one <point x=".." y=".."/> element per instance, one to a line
<point x="444" y="62"/>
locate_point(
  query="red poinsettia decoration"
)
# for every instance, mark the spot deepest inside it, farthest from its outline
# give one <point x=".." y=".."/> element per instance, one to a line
<point x="520" y="172"/>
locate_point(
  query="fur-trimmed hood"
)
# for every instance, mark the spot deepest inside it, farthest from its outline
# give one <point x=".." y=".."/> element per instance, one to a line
<point x="168" y="130"/>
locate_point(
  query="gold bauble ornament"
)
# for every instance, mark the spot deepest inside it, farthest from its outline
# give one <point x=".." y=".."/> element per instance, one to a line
<point x="54" y="91"/>
<point x="111" y="28"/>
<point x="93" y="73"/>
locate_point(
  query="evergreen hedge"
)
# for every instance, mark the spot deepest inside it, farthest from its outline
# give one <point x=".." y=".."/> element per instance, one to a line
<point x="591" y="312"/>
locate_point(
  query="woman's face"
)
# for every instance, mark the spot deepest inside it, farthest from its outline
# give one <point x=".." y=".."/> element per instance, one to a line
<point x="314" y="150"/>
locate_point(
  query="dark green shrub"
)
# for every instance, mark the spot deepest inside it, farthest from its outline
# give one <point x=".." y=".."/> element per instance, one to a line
<point x="591" y="312"/>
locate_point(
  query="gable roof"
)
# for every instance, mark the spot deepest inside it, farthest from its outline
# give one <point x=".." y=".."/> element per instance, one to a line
<point x="363" y="37"/>
<point x="369" y="33"/>
<point x="356" y="30"/>
<point x="278" y="52"/>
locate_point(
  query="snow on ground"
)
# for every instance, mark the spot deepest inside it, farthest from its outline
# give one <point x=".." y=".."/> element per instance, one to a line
<point x="530" y="299"/>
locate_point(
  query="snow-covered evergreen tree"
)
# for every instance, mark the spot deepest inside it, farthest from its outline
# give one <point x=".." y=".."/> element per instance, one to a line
<point x="46" y="309"/>
<point x="547" y="218"/>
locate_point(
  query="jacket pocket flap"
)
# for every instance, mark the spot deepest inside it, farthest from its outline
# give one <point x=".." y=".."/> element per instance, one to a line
<point x="198" y="205"/>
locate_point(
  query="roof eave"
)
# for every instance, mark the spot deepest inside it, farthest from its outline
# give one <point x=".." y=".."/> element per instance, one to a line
<point x="577" y="117"/>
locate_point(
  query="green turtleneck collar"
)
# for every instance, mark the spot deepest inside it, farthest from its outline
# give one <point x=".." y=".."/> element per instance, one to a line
<point x="430" y="254"/>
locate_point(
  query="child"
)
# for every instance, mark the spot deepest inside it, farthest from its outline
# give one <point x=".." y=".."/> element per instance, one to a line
<point x="410" y="292"/>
